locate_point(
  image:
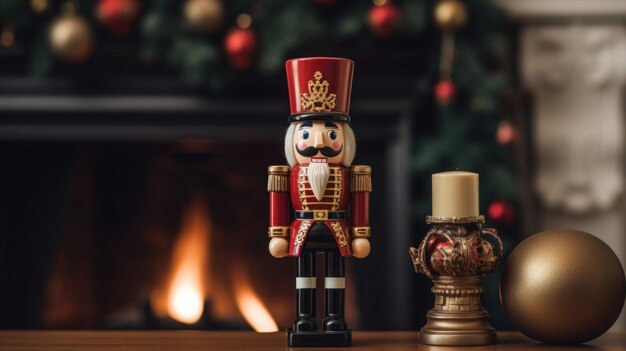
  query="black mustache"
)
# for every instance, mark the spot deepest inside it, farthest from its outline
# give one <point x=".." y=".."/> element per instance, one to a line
<point x="312" y="151"/>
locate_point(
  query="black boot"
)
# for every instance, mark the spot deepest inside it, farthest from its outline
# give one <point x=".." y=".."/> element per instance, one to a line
<point x="305" y="293"/>
<point x="335" y="293"/>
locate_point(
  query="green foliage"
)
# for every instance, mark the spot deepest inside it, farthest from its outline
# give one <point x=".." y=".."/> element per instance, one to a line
<point x="162" y="36"/>
<point x="465" y="130"/>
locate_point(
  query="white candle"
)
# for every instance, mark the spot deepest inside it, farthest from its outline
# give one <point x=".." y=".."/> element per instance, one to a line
<point x="455" y="194"/>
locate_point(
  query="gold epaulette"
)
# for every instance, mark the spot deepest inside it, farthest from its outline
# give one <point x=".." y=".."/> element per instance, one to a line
<point x="360" y="178"/>
<point x="278" y="178"/>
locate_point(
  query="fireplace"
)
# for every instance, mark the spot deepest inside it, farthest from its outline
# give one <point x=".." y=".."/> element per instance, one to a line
<point x="168" y="232"/>
<point x="145" y="206"/>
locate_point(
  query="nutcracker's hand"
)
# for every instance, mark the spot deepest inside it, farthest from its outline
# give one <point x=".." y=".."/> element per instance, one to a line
<point x="360" y="248"/>
<point x="278" y="247"/>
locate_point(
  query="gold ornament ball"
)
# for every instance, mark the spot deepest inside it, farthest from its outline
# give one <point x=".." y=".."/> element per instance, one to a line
<point x="40" y="6"/>
<point x="71" y="39"/>
<point x="450" y="14"/>
<point x="562" y="287"/>
<point x="204" y="15"/>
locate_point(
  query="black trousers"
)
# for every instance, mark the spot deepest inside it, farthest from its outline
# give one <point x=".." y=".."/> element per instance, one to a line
<point x="320" y="239"/>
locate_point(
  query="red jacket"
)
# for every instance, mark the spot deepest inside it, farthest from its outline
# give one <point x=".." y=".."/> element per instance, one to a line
<point x="338" y="196"/>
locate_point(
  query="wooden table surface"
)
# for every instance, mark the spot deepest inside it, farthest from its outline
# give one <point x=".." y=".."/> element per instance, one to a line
<point x="206" y="340"/>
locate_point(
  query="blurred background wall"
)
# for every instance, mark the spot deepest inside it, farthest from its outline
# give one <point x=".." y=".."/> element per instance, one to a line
<point x="572" y="63"/>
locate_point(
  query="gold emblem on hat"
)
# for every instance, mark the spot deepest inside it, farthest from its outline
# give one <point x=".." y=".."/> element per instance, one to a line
<point x="318" y="99"/>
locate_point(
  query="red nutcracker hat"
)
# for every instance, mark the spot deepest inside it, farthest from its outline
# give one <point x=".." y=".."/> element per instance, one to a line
<point x="319" y="88"/>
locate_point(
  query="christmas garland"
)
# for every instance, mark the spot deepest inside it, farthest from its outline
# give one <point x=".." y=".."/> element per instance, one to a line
<point x="207" y="41"/>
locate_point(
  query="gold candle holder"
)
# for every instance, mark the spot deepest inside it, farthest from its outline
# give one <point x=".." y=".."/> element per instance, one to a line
<point x="456" y="256"/>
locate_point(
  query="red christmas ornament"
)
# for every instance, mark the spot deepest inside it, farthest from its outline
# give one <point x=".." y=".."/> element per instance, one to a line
<point x="501" y="212"/>
<point x="118" y="16"/>
<point x="384" y="20"/>
<point x="505" y="134"/>
<point x="435" y="248"/>
<point x="241" y="46"/>
<point x="445" y="90"/>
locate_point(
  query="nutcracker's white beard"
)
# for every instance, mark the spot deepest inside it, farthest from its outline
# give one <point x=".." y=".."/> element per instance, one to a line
<point x="318" y="174"/>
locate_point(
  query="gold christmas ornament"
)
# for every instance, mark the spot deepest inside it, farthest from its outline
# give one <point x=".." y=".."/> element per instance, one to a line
<point x="562" y="287"/>
<point x="40" y="6"/>
<point x="204" y="15"/>
<point x="244" y="21"/>
<point x="71" y="38"/>
<point x="450" y="15"/>
<point x="7" y="37"/>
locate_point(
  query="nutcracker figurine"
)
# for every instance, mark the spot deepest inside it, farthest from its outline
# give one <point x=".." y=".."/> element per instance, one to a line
<point x="330" y="198"/>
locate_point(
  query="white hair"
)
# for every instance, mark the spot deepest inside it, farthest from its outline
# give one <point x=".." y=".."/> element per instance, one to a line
<point x="349" y="145"/>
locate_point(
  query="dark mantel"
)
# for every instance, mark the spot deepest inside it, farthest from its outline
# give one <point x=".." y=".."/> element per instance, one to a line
<point x="145" y="117"/>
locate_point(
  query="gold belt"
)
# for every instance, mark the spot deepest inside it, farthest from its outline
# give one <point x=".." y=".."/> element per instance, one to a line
<point x="321" y="215"/>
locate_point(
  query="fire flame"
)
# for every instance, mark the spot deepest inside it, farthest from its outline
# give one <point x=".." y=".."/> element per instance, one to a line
<point x="253" y="310"/>
<point x="185" y="299"/>
<point x="186" y="292"/>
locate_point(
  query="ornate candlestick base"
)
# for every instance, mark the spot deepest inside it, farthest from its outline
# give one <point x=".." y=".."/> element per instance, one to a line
<point x="458" y="317"/>
<point x="456" y="256"/>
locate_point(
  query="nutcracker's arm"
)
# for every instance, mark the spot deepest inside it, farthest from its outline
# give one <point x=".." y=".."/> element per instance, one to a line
<point x="278" y="187"/>
<point x="360" y="189"/>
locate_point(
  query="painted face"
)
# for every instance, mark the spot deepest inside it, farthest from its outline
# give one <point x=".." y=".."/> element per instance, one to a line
<point x="319" y="142"/>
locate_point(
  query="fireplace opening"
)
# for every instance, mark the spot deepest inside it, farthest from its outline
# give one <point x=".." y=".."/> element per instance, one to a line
<point x="166" y="235"/>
